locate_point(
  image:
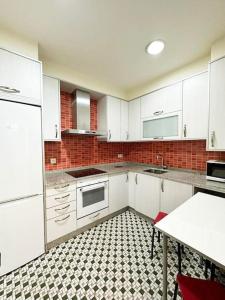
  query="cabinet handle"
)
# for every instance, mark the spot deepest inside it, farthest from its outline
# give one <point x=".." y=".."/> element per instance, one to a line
<point x="136" y="179"/>
<point x="159" y="112"/>
<point x="162" y="185"/>
<point x="110" y="135"/>
<point x="8" y="89"/>
<point x="127" y="135"/>
<point x="158" y="138"/>
<point x="127" y="179"/>
<point x="185" y="130"/>
<point x="63" y="219"/>
<point x="213" y="138"/>
<point x="59" y="209"/>
<point x="95" y="216"/>
<point x="62" y="187"/>
<point x="56" y="131"/>
<point x="63" y="197"/>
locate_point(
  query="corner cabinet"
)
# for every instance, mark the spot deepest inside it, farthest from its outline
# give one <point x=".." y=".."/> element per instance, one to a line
<point x="25" y="84"/>
<point x="51" y="109"/>
<point x="134" y="107"/>
<point x="195" y="107"/>
<point x="173" y="194"/>
<point x="118" y="192"/>
<point x="113" y="118"/>
<point x="216" y="134"/>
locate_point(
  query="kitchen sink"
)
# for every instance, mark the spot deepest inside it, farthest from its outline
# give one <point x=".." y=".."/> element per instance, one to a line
<point x="156" y="171"/>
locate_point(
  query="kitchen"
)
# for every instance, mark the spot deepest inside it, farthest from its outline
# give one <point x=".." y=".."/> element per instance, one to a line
<point x="112" y="177"/>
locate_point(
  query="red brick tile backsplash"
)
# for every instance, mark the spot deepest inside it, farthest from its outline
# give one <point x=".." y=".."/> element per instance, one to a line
<point x="75" y="151"/>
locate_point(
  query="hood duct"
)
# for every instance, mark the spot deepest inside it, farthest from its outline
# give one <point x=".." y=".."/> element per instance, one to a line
<point x="81" y="115"/>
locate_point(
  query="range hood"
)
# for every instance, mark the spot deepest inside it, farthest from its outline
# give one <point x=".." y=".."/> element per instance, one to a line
<point x="81" y="115"/>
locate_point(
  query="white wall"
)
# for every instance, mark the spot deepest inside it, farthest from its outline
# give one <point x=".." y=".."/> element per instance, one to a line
<point x="198" y="66"/>
<point x="14" y="42"/>
<point x="218" y="49"/>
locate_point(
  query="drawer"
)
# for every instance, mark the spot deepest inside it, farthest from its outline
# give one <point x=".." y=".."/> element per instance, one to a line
<point x="60" y="198"/>
<point x="93" y="217"/>
<point x="66" y="187"/>
<point x="61" y="209"/>
<point x="61" y="226"/>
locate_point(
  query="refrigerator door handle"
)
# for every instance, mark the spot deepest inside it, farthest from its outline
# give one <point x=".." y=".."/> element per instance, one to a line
<point x="20" y="198"/>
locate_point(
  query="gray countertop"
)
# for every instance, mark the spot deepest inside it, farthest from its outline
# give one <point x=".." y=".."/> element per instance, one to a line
<point x="180" y="175"/>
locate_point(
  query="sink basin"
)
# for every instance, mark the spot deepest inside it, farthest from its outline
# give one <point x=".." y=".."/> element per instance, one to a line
<point x="155" y="171"/>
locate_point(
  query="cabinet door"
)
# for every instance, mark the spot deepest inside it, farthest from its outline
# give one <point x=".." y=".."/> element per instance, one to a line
<point x="113" y="118"/>
<point x="124" y="120"/>
<point x="195" y="107"/>
<point x="162" y="101"/>
<point x="173" y="194"/>
<point x="216" y="135"/>
<point x="131" y="189"/>
<point x="147" y="195"/>
<point x="21" y="231"/>
<point x="135" y="120"/>
<point x="118" y="192"/>
<point x="51" y="109"/>
<point x="20" y="78"/>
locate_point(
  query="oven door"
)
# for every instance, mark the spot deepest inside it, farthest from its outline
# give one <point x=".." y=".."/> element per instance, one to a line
<point x="92" y="198"/>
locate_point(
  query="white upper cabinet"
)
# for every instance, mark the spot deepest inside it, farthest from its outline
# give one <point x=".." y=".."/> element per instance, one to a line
<point x="173" y="194"/>
<point x="124" y="120"/>
<point x="113" y="118"/>
<point x="134" y="119"/>
<point x="51" y="109"/>
<point x="162" y="101"/>
<point x="195" y="107"/>
<point x="216" y="134"/>
<point x="20" y="78"/>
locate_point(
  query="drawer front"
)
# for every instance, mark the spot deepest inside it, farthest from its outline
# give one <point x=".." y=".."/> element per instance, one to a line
<point x="67" y="187"/>
<point x="60" y="210"/>
<point x="93" y="217"/>
<point x="61" y="226"/>
<point x="60" y="198"/>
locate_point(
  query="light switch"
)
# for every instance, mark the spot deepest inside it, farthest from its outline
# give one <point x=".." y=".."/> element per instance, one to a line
<point x="53" y="161"/>
<point x="120" y="155"/>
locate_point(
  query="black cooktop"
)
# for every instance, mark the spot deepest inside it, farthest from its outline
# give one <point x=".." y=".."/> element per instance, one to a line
<point x="85" y="172"/>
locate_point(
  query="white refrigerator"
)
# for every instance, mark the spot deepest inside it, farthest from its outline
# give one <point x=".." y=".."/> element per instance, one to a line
<point x="21" y="185"/>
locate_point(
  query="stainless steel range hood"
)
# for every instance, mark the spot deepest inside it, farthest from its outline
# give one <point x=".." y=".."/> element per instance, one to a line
<point x="81" y="116"/>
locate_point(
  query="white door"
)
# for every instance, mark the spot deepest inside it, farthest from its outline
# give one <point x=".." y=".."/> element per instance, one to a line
<point x="113" y="118"/>
<point x="147" y="195"/>
<point x="124" y="120"/>
<point x="21" y="151"/>
<point x="20" y="78"/>
<point x="51" y="109"/>
<point x="118" y="192"/>
<point x="216" y="136"/>
<point x="173" y="194"/>
<point x="135" y="120"/>
<point x="131" y="189"/>
<point x="195" y="107"/>
<point x="21" y="232"/>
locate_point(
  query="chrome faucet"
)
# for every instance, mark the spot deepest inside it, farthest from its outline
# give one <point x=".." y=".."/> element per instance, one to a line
<point x="160" y="156"/>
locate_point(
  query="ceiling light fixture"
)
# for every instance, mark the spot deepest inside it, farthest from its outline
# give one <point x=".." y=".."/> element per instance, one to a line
<point x="155" y="47"/>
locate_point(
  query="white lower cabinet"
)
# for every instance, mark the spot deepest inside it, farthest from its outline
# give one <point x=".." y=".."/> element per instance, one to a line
<point x="118" y="192"/>
<point x="61" y="226"/>
<point x="144" y="193"/>
<point x="92" y="218"/>
<point x="173" y="194"/>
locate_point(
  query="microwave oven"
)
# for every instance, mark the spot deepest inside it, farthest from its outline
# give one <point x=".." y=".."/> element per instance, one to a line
<point x="216" y="170"/>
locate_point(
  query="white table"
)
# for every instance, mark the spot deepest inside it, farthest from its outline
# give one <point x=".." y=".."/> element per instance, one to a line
<point x="199" y="223"/>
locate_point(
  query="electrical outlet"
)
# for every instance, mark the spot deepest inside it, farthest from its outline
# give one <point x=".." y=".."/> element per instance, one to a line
<point x="53" y="161"/>
<point x="120" y="155"/>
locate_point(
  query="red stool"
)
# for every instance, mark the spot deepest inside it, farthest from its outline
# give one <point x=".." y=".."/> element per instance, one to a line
<point x="200" y="289"/>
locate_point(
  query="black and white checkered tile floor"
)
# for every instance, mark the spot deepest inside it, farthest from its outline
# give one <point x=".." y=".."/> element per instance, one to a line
<point x="109" y="261"/>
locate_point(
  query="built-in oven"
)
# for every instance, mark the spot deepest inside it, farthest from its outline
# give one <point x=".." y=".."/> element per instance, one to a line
<point x="216" y="170"/>
<point x="92" y="196"/>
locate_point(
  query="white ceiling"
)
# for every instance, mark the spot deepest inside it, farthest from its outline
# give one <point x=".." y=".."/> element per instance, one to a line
<point x="106" y="39"/>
